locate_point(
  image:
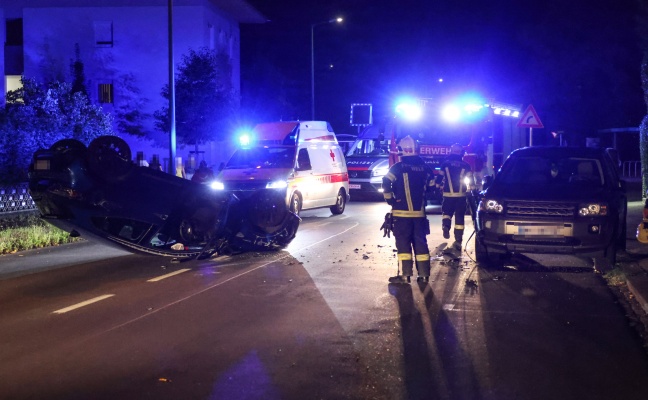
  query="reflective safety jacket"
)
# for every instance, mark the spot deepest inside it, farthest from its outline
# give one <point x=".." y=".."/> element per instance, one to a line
<point x="451" y="176"/>
<point x="405" y="185"/>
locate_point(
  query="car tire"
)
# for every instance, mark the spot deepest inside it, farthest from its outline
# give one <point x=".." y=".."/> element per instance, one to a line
<point x="109" y="157"/>
<point x="340" y="203"/>
<point x="296" y="203"/>
<point x="65" y="145"/>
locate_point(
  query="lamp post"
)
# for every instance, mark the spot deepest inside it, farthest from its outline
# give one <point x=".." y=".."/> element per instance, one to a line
<point x="172" y="122"/>
<point x="330" y="21"/>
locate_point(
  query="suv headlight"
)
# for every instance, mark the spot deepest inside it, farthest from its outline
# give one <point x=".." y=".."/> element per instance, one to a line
<point x="490" y="205"/>
<point x="382" y="171"/>
<point x="277" y="184"/>
<point x="592" y="209"/>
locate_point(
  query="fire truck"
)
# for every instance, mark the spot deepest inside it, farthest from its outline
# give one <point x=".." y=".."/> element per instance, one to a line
<point x="486" y="129"/>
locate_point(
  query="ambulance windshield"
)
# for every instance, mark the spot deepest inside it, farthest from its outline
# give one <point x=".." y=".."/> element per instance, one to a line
<point x="262" y="157"/>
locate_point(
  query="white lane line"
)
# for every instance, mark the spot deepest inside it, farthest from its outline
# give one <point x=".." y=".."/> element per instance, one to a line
<point x="159" y="278"/>
<point x="82" y="304"/>
<point x="217" y="284"/>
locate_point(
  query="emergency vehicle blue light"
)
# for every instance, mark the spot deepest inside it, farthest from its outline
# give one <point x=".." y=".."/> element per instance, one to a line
<point x="409" y="111"/>
<point x="451" y="113"/>
<point x="244" y="139"/>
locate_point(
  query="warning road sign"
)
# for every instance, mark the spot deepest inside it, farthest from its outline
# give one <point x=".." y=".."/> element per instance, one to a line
<point x="530" y="119"/>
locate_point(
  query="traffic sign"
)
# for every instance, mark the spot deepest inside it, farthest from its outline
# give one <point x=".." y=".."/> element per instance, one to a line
<point x="530" y="119"/>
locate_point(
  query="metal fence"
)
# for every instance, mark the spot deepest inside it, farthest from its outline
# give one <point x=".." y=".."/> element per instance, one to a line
<point x="15" y="198"/>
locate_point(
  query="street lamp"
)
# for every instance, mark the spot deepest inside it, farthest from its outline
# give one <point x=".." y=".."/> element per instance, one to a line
<point x="330" y="21"/>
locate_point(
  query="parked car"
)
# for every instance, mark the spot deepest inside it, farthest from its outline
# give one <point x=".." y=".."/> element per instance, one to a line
<point x="556" y="200"/>
<point x="98" y="192"/>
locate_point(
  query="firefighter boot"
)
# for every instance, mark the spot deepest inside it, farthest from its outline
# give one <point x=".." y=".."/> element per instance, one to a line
<point x="458" y="235"/>
<point x="400" y="279"/>
<point x="423" y="268"/>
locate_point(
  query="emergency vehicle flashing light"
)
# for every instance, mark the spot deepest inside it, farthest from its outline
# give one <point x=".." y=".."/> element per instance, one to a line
<point x="409" y="111"/>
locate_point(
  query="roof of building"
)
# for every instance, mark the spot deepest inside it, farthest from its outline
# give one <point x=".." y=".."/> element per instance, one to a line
<point x="240" y="10"/>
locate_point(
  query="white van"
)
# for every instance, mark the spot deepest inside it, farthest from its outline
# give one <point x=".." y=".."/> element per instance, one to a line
<point x="300" y="160"/>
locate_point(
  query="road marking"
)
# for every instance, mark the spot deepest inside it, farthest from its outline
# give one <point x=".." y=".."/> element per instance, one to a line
<point x="82" y="304"/>
<point x="159" y="278"/>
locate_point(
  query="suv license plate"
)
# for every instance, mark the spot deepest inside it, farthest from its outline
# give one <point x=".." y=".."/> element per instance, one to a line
<point x="541" y="230"/>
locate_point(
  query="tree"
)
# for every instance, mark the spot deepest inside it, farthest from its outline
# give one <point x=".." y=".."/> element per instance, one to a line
<point x="206" y="102"/>
<point x="78" y="74"/>
<point x="129" y="115"/>
<point x="38" y="115"/>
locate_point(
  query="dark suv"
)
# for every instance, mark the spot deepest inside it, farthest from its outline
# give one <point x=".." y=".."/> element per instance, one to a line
<point x="557" y="200"/>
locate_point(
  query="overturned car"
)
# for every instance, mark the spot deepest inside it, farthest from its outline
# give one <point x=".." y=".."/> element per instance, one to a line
<point x="98" y="192"/>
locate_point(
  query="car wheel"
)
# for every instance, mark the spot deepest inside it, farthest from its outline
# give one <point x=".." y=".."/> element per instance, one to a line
<point x="65" y="145"/>
<point x="267" y="211"/>
<point x="340" y="203"/>
<point x="109" y="157"/>
<point x="295" y="203"/>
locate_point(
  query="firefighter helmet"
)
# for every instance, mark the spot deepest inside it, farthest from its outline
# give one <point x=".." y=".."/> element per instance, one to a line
<point x="456" y="149"/>
<point x="642" y="232"/>
<point x="408" y="146"/>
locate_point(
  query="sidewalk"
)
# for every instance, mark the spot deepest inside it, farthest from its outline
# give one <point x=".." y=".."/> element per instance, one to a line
<point x="635" y="264"/>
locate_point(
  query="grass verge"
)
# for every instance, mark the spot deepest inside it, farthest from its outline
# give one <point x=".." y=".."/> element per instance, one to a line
<point x="27" y="231"/>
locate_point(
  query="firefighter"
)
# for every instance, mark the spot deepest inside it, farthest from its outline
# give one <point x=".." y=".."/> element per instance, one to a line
<point x="404" y="188"/>
<point x="453" y="174"/>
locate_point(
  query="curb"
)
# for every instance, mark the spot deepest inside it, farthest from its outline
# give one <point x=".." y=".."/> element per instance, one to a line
<point x="637" y="281"/>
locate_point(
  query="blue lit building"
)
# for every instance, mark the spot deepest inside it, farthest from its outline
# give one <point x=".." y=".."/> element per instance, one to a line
<point x="123" y="45"/>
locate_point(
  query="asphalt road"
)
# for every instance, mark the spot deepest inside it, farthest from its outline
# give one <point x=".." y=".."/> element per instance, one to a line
<point x="315" y="321"/>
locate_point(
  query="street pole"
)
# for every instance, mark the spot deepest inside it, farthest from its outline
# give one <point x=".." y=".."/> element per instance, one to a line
<point x="313" y="72"/>
<point x="172" y="127"/>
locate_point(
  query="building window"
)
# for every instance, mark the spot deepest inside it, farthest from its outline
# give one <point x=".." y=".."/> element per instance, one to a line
<point x="106" y="93"/>
<point x="103" y="31"/>
<point x="12" y="82"/>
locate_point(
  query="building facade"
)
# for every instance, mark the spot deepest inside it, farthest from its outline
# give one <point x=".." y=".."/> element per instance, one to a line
<point x="123" y="44"/>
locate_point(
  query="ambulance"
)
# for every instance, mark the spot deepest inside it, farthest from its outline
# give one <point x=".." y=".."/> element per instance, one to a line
<point x="298" y="164"/>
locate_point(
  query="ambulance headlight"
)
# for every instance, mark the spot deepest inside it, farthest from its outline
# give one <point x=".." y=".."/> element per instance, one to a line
<point x="217" y="185"/>
<point x="382" y="171"/>
<point x="277" y="185"/>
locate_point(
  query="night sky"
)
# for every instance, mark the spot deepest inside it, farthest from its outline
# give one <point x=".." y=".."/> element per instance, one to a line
<point x="576" y="61"/>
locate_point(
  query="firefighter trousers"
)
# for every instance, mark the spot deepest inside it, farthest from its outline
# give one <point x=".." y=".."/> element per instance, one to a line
<point x="410" y="235"/>
<point x="454" y="206"/>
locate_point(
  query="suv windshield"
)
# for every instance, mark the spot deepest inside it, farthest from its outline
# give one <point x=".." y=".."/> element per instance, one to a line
<point x="552" y="171"/>
<point x="262" y="157"/>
